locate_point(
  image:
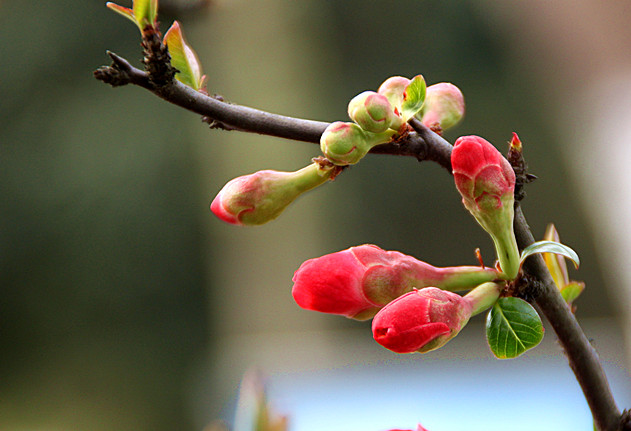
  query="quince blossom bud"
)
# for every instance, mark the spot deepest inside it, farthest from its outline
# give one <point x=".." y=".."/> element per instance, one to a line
<point x="426" y="319"/>
<point x="421" y="321"/>
<point x="359" y="281"/>
<point x="372" y="111"/>
<point x="444" y="105"/>
<point x="347" y="143"/>
<point x="393" y="88"/>
<point x="486" y="182"/>
<point x="260" y="197"/>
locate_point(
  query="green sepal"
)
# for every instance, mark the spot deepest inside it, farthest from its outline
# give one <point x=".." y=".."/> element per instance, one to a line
<point x="183" y="58"/>
<point x="413" y="97"/>
<point x="512" y="327"/>
<point x="550" y="247"/>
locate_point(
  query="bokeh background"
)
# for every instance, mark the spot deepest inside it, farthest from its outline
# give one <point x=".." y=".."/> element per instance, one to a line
<point x="126" y="305"/>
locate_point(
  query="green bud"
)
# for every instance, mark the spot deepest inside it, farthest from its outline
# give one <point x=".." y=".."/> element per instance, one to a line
<point x="347" y="143"/>
<point x="372" y="111"/>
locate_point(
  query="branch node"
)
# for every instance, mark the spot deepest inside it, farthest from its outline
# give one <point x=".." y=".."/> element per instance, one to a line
<point x="156" y="59"/>
<point x="522" y="177"/>
<point x="115" y="75"/>
<point x="526" y="287"/>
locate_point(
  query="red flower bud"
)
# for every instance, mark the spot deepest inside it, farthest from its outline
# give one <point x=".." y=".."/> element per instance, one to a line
<point x="486" y="182"/>
<point x="359" y="281"/>
<point x="483" y="176"/>
<point x="421" y="321"/>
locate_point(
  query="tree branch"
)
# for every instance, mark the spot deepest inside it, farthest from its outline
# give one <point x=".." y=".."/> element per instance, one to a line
<point x="423" y="144"/>
<point x="582" y="357"/>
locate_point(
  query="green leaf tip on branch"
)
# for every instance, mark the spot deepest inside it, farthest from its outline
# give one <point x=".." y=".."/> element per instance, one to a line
<point x="413" y="97"/>
<point x="183" y="58"/>
<point x="513" y="327"/>
<point x="570" y="289"/>
<point x="550" y="247"/>
<point x="144" y="13"/>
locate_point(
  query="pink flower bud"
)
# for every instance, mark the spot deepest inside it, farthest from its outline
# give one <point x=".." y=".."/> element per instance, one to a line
<point x="261" y="197"/>
<point x="371" y="111"/>
<point x="444" y="105"/>
<point x="486" y="182"/>
<point x="393" y="88"/>
<point x="359" y="281"/>
<point x="421" y="321"/>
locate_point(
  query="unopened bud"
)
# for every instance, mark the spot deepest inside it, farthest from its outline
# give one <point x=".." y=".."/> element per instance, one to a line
<point x="421" y="321"/>
<point x="515" y="143"/>
<point x="486" y="182"/>
<point x="444" y="105"/>
<point x="359" y="281"/>
<point x="347" y="143"/>
<point x="261" y="197"/>
<point x="393" y="88"/>
<point x="372" y="111"/>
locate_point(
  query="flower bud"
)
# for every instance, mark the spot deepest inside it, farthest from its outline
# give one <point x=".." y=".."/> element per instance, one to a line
<point x="444" y="105"/>
<point x="346" y="143"/>
<point x="421" y="321"/>
<point x="359" y="281"/>
<point x="486" y="182"/>
<point x="260" y="197"/>
<point x="372" y="111"/>
<point x="393" y="88"/>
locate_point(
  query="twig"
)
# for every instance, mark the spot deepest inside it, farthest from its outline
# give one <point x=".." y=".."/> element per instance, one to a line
<point x="422" y="144"/>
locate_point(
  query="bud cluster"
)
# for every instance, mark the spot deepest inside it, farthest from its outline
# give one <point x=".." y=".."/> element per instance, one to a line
<point x="382" y="115"/>
<point x="412" y="302"/>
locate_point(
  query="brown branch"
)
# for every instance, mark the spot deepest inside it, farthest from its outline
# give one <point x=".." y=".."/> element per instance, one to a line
<point x="582" y="357"/>
<point x="423" y="144"/>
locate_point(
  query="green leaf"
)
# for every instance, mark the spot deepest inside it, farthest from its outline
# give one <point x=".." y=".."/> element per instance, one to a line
<point x="572" y="290"/>
<point x="550" y="247"/>
<point x="512" y="327"/>
<point x="146" y="12"/>
<point x="126" y="12"/>
<point x="183" y="58"/>
<point x="413" y="97"/>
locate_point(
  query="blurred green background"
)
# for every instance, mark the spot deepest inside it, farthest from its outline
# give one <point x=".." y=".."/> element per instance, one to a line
<point x="118" y="285"/>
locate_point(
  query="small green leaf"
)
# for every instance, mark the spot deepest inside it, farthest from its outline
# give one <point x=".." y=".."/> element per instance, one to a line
<point x="550" y="247"/>
<point x="146" y="12"/>
<point x="413" y="97"/>
<point x="183" y="58"/>
<point x="126" y="12"/>
<point x="572" y="290"/>
<point x="512" y="327"/>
